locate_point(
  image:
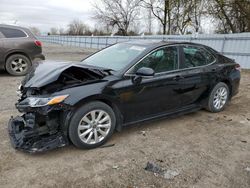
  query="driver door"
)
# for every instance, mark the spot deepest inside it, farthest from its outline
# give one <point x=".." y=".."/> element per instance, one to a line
<point x="156" y="95"/>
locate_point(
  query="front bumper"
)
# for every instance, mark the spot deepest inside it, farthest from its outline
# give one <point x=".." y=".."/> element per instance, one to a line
<point x="26" y="136"/>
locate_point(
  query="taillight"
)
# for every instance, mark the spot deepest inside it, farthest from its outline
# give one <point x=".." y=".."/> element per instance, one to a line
<point x="38" y="43"/>
<point x="237" y="67"/>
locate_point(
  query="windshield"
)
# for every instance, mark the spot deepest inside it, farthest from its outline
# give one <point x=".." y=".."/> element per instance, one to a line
<point x="115" y="57"/>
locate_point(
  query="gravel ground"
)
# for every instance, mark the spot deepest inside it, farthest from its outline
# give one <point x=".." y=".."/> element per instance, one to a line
<point x="200" y="149"/>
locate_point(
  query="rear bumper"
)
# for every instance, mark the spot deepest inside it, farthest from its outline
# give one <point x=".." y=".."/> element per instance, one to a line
<point x="235" y="82"/>
<point x="28" y="138"/>
<point x="39" y="56"/>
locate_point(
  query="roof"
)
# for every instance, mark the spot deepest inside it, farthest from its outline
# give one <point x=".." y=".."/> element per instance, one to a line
<point x="157" y="43"/>
<point x="12" y="26"/>
<point x="26" y="30"/>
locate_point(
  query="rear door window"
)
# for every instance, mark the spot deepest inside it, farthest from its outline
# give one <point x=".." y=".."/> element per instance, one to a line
<point x="196" y="56"/>
<point x="12" y="33"/>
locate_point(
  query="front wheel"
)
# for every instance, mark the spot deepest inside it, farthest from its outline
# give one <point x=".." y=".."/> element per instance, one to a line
<point x="92" y="125"/>
<point x="218" y="98"/>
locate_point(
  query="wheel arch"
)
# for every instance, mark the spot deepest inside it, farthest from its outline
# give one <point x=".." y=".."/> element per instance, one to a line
<point x="107" y="101"/>
<point x="229" y="85"/>
<point x="205" y="97"/>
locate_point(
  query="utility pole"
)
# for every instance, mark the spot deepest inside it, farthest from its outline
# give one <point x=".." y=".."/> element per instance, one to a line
<point x="149" y="21"/>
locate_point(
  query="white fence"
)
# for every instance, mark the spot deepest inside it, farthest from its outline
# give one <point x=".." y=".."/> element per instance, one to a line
<point x="236" y="46"/>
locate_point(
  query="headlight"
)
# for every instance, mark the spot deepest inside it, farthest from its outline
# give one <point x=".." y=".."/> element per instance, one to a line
<point x="38" y="102"/>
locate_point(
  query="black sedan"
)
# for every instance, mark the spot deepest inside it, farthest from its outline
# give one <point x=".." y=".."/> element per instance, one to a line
<point x="126" y="83"/>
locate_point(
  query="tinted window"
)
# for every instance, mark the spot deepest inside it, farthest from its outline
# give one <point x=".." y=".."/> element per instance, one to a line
<point x="12" y="33"/>
<point x="195" y="56"/>
<point x="115" y="57"/>
<point x="162" y="60"/>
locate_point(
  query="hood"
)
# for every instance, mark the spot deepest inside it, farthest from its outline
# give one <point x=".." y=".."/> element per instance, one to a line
<point x="46" y="72"/>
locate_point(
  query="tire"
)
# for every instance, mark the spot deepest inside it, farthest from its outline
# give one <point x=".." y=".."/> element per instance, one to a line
<point x="18" y="65"/>
<point x="82" y="124"/>
<point x="218" y="98"/>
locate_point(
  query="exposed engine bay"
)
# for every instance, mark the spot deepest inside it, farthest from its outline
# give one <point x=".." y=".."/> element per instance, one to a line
<point x="71" y="78"/>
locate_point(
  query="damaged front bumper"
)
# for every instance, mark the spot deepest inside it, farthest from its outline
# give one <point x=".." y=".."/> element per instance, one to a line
<point x="27" y="135"/>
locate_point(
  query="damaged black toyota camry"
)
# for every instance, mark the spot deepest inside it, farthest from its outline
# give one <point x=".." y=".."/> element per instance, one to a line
<point x="84" y="103"/>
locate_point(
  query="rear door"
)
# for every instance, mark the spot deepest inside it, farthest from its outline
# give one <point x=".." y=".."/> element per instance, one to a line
<point x="194" y="78"/>
<point x="13" y="39"/>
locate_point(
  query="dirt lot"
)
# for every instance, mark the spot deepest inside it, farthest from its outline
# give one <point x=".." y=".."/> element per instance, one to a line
<point x="204" y="149"/>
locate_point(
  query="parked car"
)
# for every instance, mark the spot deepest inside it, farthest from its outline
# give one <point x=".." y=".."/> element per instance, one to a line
<point x="18" y="48"/>
<point x="126" y="83"/>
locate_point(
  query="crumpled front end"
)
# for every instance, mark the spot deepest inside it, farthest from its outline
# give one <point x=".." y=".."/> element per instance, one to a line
<point x="34" y="132"/>
<point x="43" y="95"/>
<point x="40" y="128"/>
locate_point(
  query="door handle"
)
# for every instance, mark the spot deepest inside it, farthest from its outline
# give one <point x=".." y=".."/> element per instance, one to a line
<point x="178" y="77"/>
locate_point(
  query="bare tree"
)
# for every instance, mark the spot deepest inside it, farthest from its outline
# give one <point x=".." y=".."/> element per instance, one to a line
<point x="181" y="16"/>
<point x="176" y="16"/>
<point x="61" y="31"/>
<point x="231" y="15"/>
<point x="149" y="20"/>
<point x="198" y="10"/>
<point x="161" y="9"/>
<point x="53" y="31"/>
<point x="77" y="27"/>
<point x="118" y="13"/>
<point x="187" y="14"/>
<point x="101" y="29"/>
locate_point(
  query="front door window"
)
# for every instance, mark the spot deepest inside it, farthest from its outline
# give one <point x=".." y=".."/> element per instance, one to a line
<point x="161" y="60"/>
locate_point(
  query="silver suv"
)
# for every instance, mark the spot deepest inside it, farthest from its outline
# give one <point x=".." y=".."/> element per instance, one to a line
<point x="18" y="48"/>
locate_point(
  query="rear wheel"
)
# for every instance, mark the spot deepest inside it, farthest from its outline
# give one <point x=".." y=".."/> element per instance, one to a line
<point x="218" y="98"/>
<point x="92" y="125"/>
<point x="18" y="65"/>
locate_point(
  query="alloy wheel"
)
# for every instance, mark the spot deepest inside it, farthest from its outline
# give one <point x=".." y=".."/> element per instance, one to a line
<point x="94" y="126"/>
<point x="19" y="65"/>
<point x="220" y="98"/>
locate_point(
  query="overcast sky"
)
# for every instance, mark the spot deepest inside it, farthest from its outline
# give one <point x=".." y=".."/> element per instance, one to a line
<point x="45" y="14"/>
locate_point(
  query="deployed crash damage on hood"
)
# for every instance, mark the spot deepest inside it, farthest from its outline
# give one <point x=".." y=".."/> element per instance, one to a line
<point x="44" y="111"/>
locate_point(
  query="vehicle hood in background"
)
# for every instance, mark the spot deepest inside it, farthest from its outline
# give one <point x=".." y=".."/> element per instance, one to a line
<point x="46" y="72"/>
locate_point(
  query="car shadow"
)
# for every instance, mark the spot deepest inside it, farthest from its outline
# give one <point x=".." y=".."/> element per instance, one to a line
<point x="112" y="142"/>
<point x="3" y="73"/>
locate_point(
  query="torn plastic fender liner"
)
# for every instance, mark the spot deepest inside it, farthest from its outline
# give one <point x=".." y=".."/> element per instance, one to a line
<point x="24" y="135"/>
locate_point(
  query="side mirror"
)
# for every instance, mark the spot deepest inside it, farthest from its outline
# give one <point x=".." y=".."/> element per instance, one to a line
<point x="145" y="72"/>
